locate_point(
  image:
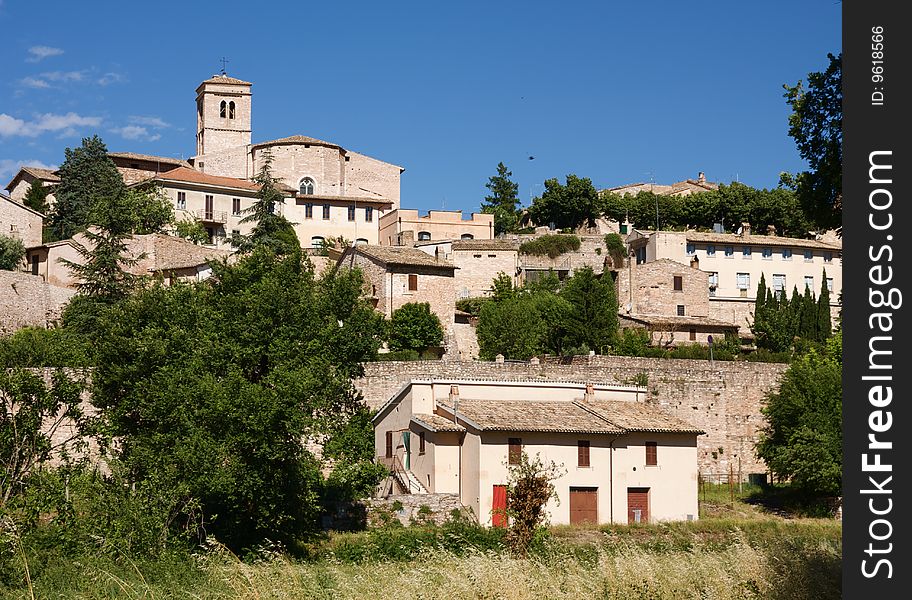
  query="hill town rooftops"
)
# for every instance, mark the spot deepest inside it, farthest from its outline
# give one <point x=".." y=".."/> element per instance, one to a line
<point x="162" y="160"/>
<point x="398" y="255"/>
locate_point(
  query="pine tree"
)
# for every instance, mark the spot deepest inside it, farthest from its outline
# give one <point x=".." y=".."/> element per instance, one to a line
<point x="824" y="318"/>
<point x="272" y="230"/>
<point x="86" y="176"/>
<point x="503" y="201"/>
<point x="36" y="197"/>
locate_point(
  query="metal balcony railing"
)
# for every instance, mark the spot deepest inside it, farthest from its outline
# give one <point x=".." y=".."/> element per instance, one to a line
<point x="211" y="216"/>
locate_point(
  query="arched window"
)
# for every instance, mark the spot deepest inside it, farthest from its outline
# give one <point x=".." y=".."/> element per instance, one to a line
<point x="360" y="242"/>
<point x="316" y="241"/>
<point x="231" y="109"/>
<point x="467" y="236"/>
<point x="424" y="235"/>
<point x="307" y="186"/>
<point x="223" y="109"/>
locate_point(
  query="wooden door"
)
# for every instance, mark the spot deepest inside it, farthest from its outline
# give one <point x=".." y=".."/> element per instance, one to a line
<point x="498" y="506"/>
<point x="583" y="505"/>
<point x="637" y="505"/>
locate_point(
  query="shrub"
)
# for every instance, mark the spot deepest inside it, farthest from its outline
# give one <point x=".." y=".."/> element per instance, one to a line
<point x="530" y="488"/>
<point x="405" y="355"/>
<point x="616" y="248"/>
<point x="40" y="347"/>
<point x="471" y="305"/>
<point x="414" y="327"/>
<point x="552" y="245"/>
<point x="11" y="253"/>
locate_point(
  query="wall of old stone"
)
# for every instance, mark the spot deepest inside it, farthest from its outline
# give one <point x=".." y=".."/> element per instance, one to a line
<point x="410" y="508"/>
<point x="591" y="253"/>
<point x="17" y="221"/>
<point x="653" y="289"/>
<point x="722" y="398"/>
<point x="26" y="300"/>
<point x="476" y="270"/>
<point x="366" y="176"/>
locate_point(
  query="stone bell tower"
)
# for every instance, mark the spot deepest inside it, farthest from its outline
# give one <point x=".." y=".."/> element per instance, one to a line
<point x="222" y="114"/>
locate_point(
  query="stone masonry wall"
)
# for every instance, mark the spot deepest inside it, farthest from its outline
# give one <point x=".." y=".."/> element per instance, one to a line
<point x="26" y="300"/>
<point x="16" y="221"/>
<point x="654" y="293"/>
<point x="476" y="270"/>
<point x="722" y="398"/>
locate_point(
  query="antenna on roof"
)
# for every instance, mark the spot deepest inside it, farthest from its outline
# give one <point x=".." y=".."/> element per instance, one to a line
<point x="224" y="62"/>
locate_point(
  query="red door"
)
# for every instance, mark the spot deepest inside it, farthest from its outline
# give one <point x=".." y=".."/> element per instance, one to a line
<point x="499" y="506"/>
<point x="583" y="505"/>
<point x="637" y="505"/>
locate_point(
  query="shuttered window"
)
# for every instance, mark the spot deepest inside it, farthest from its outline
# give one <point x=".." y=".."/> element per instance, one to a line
<point x="582" y="452"/>
<point x="389" y="444"/>
<point x="413" y="282"/>
<point x="651" y="454"/>
<point x="421" y="442"/>
<point x="678" y="283"/>
<point x="515" y="451"/>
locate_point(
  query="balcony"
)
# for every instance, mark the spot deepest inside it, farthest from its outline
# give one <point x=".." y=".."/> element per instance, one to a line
<point x="211" y="216"/>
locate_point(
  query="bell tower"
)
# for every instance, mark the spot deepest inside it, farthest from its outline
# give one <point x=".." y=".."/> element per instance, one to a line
<point x="222" y="114"/>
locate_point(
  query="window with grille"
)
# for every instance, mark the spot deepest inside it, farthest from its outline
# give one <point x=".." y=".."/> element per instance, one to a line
<point x="326" y="212"/>
<point x="680" y="310"/>
<point x="351" y="212"/>
<point x="744" y="281"/>
<point x="308" y="211"/>
<point x="369" y="214"/>
<point x="182" y="200"/>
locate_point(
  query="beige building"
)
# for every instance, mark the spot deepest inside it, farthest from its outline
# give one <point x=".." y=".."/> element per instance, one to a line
<point x="21" y="182"/>
<point x="680" y="188"/>
<point x="308" y="165"/>
<point x="477" y="262"/>
<point x="20" y="222"/>
<point x="403" y="227"/>
<point x="624" y="460"/>
<point x="397" y="275"/>
<point x="158" y="255"/>
<point x="735" y="262"/>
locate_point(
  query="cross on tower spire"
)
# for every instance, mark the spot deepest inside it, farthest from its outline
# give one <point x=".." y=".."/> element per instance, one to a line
<point x="224" y="62"/>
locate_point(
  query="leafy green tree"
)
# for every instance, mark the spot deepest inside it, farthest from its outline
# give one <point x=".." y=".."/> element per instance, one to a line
<point x="151" y="208"/>
<point x="271" y="230"/>
<point x="212" y="389"/>
<point x="414" y="327"/>
<point x="37" y="347"/>
<point x="502" y="287"/>
<point x="36" y="197"/>
<point x="570" y="205"/>
<point x="11" y="253"/>
<point x="816" y="126"/>
<point x="802" y="439"/>
<point x="192" y="230"/>
<point x="350" y="447"/>
<point x="86" y="175"/>
<point x="512" y="327"/>
<point x="503" y="201"/>
<point x="593" y="318"/>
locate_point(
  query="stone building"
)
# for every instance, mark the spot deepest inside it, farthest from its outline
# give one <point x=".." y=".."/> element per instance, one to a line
<point x="397" y="275"/>
<point x="20" y="222"/>
<point x="735" y="262"/>
<point x="625" y="460"/>
<point x="157" y="255"/>
<point x="680" y="188"/>
<point x="28" y="301"/>
<point x="140" y="167"/>
<point x="21" y="182"/>
<point x="403" y="227"/>
<point x="311" y="166"/>
<point x="477" y="262"/>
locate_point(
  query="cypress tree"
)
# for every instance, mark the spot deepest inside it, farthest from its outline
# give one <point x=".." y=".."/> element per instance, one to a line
<point x="808" y="327"/>
<point x="824" y="321"/>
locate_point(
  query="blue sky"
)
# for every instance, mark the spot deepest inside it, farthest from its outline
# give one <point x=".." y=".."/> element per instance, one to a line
<point x="617" y="92"/>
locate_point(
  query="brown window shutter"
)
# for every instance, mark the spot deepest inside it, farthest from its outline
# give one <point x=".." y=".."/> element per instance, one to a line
<point x="421" y="442"/>
<point x="389" y="444"/>
<point x="693" y="334"/>
<point x="413" y="283"/>
<point x="582" y="447"/>
<point x="651" y="454"/>
<point x="515" y="452"/>
<point x="678" y="283"/>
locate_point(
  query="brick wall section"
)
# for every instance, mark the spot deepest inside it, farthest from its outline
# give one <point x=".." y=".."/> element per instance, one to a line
<point x="654" y="293"/>
<point x="26" y="300"/>
<point x="724" y="398"/>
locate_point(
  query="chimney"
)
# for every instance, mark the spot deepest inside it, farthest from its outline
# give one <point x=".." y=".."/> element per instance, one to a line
<point x="406" y="238"/>
<point x="701" y="177"/>
<point x="771" y="230"/>
<point x="694" y="262"/>
<point x="745" y="228"/>
<point x="454" y="393"/>
<point x="590" y="393"/>
<point x="437" y="253"/>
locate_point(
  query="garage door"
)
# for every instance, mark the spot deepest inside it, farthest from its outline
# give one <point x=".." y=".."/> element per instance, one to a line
<point x="583" y="505"/>
<point x="637" y="505"/>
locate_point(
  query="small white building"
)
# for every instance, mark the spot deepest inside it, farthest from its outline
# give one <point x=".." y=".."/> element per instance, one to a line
<point x="626" y="459"/>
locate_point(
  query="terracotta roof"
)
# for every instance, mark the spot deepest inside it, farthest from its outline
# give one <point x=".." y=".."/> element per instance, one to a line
<point x="297" y="139"/>
<point x="639" y="416"/>
<point x="188" y="175"/>
<point x="43" y="174"/>
<point x="227" y="80"/>
<point x="533" y="415"/>
<point x="169" y="252"/>
<point x="399" y="255"/>
<point x="484" y="245"/>
<point x="678" y="321"/>
<point x="436" y="423"/>
<point x="164" y="160"/>
<point x="755" y="240"/>
<point x="315" y="198"/>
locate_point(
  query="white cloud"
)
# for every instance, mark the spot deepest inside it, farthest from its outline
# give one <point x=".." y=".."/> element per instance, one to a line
<point x="38" y="53"/>
<point x="109" y="78"/>
<point x="135" y="132"/>
<point x="9" y="167"/>
<point x="63" y="76"/>
<point x="33" y="82"/>
<point x="155" y="122"/>
<point x="11" y="126"/>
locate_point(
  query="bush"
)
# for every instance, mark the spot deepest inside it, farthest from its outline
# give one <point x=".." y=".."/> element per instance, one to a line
<point x="39" y="347"/>
<point x="414" y="327"/>
<point x="471" y="305"/>
<point x="552" y="245"/>
<point x="405" y="355"/>
<point x="11" y="253"/>
<point x="616" y="248"/>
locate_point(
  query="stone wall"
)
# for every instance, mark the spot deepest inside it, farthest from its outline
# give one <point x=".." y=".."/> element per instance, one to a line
<point x="26" y="300"/>
<point x="440" y="506"/>
<point x="476" y="270"/>
<point x="591" y="253"/>
<point x="19" y="222"/>
<point x="654" y="293"/>
<point x="722" y="398"/>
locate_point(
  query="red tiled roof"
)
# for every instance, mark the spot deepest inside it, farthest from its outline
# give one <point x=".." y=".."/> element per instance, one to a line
<point x="297" y="139"/>
<point x="188" y="175"/>
<point x="227" y="80"/>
